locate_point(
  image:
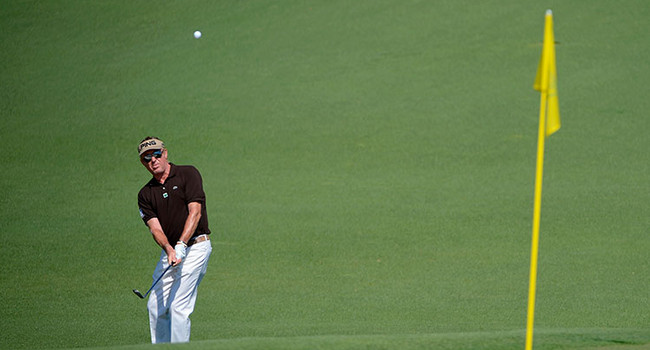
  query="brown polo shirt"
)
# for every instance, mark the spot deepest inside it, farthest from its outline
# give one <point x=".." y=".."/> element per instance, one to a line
<point x="168" y="202"/>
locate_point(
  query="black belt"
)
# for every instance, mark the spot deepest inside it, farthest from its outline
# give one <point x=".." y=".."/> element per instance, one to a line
<point x="198" y="239"/>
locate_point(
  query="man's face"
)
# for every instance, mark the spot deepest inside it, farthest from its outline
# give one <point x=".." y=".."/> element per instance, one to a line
<point x="155" y="161"/>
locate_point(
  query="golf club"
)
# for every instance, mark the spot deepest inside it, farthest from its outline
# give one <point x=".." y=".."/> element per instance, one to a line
<point x="137" y="292"/>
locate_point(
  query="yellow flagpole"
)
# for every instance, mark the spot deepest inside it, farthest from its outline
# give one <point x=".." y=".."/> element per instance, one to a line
<point x="542" y="84"/>
<point x="536" y="219"/>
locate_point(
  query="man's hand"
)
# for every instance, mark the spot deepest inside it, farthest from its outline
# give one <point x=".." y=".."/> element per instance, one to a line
<point x="180" y="250"/>
<point x="171" y="255"/>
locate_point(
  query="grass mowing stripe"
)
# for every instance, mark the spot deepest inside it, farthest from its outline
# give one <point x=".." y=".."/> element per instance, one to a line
<point x="619" y="339"/>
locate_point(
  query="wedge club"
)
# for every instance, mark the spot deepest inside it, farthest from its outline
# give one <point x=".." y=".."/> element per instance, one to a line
<point x="137" y="292"/>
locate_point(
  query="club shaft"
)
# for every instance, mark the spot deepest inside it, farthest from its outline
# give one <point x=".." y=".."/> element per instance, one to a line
<point x="157" y="280"/>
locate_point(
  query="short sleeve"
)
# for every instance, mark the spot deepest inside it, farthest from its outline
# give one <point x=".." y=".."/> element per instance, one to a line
<point x="194" y="186"/>
<point x="144" y="204"/>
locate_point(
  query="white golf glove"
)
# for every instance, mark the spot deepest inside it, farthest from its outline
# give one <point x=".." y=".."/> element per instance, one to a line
<point x="181" y="250"/>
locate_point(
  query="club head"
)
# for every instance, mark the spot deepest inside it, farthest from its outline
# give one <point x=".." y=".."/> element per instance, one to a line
<point x="137" y="292"/>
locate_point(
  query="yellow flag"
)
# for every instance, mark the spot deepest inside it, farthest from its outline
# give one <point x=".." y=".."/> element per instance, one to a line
<point x="546" y="78"/>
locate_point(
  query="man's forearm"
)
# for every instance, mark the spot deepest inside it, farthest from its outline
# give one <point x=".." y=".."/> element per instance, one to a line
<point x="159" y="235"/>
<point x="192" y="221"/>
<point x="162" y="241"/>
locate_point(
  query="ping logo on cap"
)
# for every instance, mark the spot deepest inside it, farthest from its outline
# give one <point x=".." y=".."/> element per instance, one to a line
<point x="149" y="144"/>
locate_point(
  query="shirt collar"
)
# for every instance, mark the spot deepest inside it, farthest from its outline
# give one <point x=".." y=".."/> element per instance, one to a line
<point x="172" y="170"/>
<point x="172" y="173"/>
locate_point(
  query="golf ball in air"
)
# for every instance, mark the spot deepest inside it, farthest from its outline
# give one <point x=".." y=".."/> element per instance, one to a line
<point x="197" y="34"/>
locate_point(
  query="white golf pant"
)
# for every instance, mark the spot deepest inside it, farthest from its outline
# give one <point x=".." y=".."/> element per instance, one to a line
<point x="172" y="300"/>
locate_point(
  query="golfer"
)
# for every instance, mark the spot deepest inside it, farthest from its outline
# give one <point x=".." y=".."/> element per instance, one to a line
<point x="172" y="205"/>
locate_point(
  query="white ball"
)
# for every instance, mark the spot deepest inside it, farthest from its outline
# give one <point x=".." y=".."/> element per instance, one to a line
<point x="197" y="34"/>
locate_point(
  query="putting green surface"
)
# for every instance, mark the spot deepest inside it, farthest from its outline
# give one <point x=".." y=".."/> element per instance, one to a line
<point x="369" y="170"/>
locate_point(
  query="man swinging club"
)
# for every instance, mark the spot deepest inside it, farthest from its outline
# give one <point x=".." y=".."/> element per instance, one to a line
<point x="172" y="205"/>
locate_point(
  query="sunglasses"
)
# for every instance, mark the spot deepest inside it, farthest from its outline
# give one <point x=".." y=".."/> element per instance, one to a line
<point x="147" y="157"/>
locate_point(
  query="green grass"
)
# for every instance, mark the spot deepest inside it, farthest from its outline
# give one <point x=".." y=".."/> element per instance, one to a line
<point x="369" y="169"/>
<point x="549" y="339"/>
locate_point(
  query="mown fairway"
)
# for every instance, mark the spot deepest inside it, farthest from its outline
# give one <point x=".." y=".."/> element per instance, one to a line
<point x="369" y="168"/>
